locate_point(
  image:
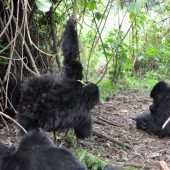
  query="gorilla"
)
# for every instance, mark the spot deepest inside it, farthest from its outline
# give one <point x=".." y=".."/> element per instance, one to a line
<point x="37" y="152"/>
<point x="60" y="101"/>
<point x="145" y="122"/>
<point x="160" y="108"/>
<point x="159" y="111"/>
<point x="13" y="86"/>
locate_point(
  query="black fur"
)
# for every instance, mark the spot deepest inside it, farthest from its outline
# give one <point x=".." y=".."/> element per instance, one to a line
<point x="14" y="93"/>
<point x="37" y="152"/>
<point x="60" y="101"/>
<point x="152" y="121"/>
<point x="4" y="151"/>
<point x="145" y="122"/>
<point x="160" y="108"/>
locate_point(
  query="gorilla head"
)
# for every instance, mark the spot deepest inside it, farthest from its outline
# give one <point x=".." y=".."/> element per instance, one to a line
<point x="37" y="152"/>
<point x="153" y="120"/>
<point x="145" y="122"/>
<point x="160" y="108"/>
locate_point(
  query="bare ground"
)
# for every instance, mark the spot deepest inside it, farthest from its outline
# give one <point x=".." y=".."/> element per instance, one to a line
<point x="114" y="120"/>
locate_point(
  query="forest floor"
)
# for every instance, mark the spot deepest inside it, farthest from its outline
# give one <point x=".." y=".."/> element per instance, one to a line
<point x="113" y="119"/>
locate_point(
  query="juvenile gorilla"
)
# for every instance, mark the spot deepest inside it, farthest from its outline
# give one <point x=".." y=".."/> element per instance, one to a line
<point x="145" y="122"/>
<point x="60" y="101"/>
<point x="153" y="120"/>
<point x="160" y="108"/>
<point x="13" y="88"/>
<point x="37" y="152"/>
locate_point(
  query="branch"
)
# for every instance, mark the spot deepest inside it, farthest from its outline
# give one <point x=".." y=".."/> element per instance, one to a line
<point x="107" y="121"/>
<point x="8" y="117"/>
<point x="115" y="51"/>
<point x="54" y="37"/>
<point x="112" y="140"/>
<point x="95" y="40"/>
<point x="10" y="18"/>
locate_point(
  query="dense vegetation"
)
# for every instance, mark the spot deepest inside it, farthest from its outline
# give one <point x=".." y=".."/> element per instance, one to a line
<point x="124" y="44"/>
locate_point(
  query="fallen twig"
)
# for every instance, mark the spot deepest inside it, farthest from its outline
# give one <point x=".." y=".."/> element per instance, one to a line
<point x="112" y="140"/>
<point x="99" y="122"/>
<point x="8" y="117"/>
<point x="165" y="124"/>
<point x="109" y="122"/>
<point x="163" y="165"/>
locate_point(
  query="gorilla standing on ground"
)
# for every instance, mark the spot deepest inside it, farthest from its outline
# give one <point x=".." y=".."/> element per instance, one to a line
<point x="60" y="101"/>
<point x="37" y="152"/>
<point x="159" y="111"/>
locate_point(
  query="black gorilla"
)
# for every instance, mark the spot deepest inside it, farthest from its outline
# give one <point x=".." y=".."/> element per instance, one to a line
<point x="145" y="122"/>
<point x="37" y="152"/>
<point x="13" y="86"/>
<point x="60" y="101"/>
<point x="153" y="120"/>
<point x="160" y="108"/>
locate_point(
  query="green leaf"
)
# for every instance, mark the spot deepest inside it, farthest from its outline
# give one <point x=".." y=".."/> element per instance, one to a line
<point x="98" y="15"/>
<point x="82" y="156"/>
<point x="132" y="16"/>
<point x="43" y="5"/>
<point x="137" y="6"/>
<point x="91" y="5"/>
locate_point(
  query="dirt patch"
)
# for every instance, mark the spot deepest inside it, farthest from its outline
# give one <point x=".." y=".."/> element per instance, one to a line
<point x="147" y="150"/>
<point x="114" y="119"/>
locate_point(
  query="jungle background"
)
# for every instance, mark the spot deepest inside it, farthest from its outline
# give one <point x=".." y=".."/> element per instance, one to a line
<point x="124" y="48"/>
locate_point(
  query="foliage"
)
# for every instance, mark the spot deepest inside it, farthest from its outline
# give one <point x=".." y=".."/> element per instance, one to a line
<point x="71" y="139"/>
<point x="95" y="163"/>
<point x="91" y="161"/>
<point x="43" y="5"/>
<point x="141" y="59"/>
<point x="123" y="43"/>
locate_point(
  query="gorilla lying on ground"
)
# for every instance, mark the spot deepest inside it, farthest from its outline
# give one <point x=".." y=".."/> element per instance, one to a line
<point x="159" y="111"/>
<point x="60" y="101"/>
<point x="145" y="122"/>
<point x="13" y="87"/>
<point x="37" y="152"/>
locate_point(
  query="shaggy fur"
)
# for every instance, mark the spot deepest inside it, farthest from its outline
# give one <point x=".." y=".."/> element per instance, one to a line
<point x="160" y="108"/>
<point x="37" y="152"/>
<point x="152" y="121"/>
<point x="13" y="93"/>
<point x="145" y="122"/>
<point x="60" y="101"/>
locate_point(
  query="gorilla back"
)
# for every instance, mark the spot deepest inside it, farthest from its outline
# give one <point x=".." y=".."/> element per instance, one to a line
<point x="37" y="152"/>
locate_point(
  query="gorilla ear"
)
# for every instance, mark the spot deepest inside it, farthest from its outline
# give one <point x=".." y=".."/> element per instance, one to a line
<point x="158" y="89"/>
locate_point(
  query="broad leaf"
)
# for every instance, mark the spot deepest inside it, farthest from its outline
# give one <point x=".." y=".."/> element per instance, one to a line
<point x="43" y="5"/>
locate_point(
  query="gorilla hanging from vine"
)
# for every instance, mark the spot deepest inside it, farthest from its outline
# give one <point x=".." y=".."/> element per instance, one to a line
<point x="60" y="101"/>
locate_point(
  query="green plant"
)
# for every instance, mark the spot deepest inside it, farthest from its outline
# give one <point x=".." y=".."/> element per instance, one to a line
<point x="91" y="161"/>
